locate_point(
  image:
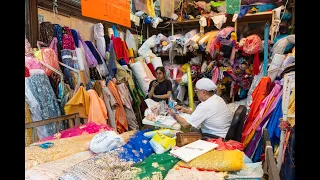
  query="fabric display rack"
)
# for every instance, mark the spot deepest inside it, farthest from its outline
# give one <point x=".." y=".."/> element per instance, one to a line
<point x="86" y="102"/>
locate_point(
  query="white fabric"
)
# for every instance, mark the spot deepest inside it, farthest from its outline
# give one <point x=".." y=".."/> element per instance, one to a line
<point x="156" y="62"/>
<point x="276" y="63"/>
<point x="161" y="37"/>
<point x="206" y="84"/>
<point x="145" y="49"/>
<point x="189" y="35"/>
<point x="110" y="32"/>
<point x="219" y="20"/>
<point x="105" y="141"/>
<point x="203" y="21"/>
<point x="141" y="76"/>
<point x="148" y="71"/>
<point x="82" y="61"/>
<point x="131" y="43"/>
<point x="98" y="33"/>
<point x="280" y="46"/>
<point x="174" y="37"/>
<point x="212" y="116"/>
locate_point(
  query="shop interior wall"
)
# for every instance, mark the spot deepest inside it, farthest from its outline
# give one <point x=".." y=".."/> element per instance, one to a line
<point x="84" y="27"/>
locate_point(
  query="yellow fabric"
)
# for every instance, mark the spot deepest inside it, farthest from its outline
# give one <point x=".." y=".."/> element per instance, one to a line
<point x="210" y="38"/>
<point x="217" y="160"/>
<point x="79" y="103"/>
<point x="123" y="74"/>
<point x="27" y="119"/>
<point x="35" y="155"/>
<point x="150" y="8"/>
<point x="38" y="55"/>
<point x="164" y="140"/>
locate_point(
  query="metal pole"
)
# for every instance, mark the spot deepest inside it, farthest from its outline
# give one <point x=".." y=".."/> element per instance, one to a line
<point x="265" y="49"/>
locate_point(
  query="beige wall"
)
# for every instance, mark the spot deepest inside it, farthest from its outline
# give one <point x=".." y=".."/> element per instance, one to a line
<point x="84" y="27"/>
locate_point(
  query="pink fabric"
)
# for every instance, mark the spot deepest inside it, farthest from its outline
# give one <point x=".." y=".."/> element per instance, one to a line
<point x="275" y="91"/>
<point x="97" y="110"/>
<point x="53" y="45"/>
<point x="88" y="128"/>
<point x="67" y="40"/>
<point x="32" y="63"/>
<point x="91" y="60"/>
<point x="225" y="32"/>
<point x="50" y="58"/>
<point x="215" y="74"/>
<point x="214" y="42"/>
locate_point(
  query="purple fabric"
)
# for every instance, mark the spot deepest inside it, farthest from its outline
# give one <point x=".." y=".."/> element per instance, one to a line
<point x="91" y="60"/>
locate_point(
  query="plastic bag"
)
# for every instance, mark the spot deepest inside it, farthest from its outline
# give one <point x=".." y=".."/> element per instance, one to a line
<point x="167" y="132"/>
<point x="105" y="141"/>
<point x="161" y="143"/>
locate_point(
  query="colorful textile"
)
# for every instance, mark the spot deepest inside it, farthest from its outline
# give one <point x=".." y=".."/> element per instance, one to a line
<point x="27" y="119"/>
<point x="46" y="32"/>
<point x="79" y="103"/>
<point x="155" y="166"/>
<point x="67" y="39"/>
<point x="94" y="51"/>
<point x="193" y="174"/>
<point x="97" y="109"/>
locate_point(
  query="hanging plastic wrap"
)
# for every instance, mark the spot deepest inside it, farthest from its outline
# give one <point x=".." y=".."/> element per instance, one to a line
<point x="217" y="161"/>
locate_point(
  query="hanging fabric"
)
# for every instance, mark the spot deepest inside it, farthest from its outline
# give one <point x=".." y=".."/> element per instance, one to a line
<point x="67" y="39"/>
<point x="79" y="103"/>
<point x="46" y="32"/>
<point x="91" y="60"/>
<point x="97" y="109"/>
<point x="98" y="33"/>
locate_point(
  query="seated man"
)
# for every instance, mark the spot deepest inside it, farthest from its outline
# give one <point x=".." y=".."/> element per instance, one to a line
<point x="211" y="115"/>
<point x="161" y="88"/>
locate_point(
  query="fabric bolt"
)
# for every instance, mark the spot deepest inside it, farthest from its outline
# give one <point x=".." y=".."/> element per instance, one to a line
<point x="112" y="61"/>
<point x="49" y="57"/>
<point x="120" y="116"/>
<point x="155" y="166"/>
<point x="35" y="155"/>
<point x="91" y="60"/>
<point x="41" y="89"/>
<point x="193" y="174"/>
<point x="137" y="148"/>
<point x="75" y="37"/>
<point x="52" y="170"/>
<point x="274" y="122"/>
<point x="111" y="104"/>
<point x="32" y="63"/>
<point x="98" y="110"/>
<point x="82" y="62"/>
<point x="107" y="41"/>
<point x="258" y="95"/>
<point x="126" y="100"/>
<point x="79" y="103"/>
<point x="35" y="110"/>
<point x="118" y="48"/>
<point x="46" y="32"/>
<point x="67" y="39"/>
<point x="291" y="107"/>
<point x="94" y="51"/>
<point x="27" y="119"/>
<point x="150" y="66"/>
<point x="101" y="166"/>
<point x="229" y="160"/>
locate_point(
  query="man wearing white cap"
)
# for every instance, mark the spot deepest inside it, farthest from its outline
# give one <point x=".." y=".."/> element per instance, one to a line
<point x="211" y="115"/>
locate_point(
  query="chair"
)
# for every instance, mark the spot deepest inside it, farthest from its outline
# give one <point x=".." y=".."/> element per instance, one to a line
<point x="236" y="127"/>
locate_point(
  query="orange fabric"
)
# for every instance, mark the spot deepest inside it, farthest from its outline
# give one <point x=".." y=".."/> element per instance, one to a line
<point x="79" y="103"/>
<point x="258" y="95"/>
<point x="98" y="110"/>
<point x="248" y="139"/>
<point x="120" y="115"/>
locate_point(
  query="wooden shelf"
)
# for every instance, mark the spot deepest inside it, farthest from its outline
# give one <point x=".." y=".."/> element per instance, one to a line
<point x="256" y="17"/>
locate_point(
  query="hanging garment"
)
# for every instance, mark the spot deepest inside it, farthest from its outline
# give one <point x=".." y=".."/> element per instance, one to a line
<point x="101" y="166"/>
<point x="79" y="103"/>
<point x="258" y="95"/>
<point x="46" y="32"/>
<point x="40" y="87"/>
<point x="98" y="110"/>
<point x="155" y="166"/>
<point x="273" y="124"/>
<point x="27" y="119"/>
<point x="126" y="101"/>
<point x="67" y="39"/>
<point x="137" y="148"/>
<point x="98" y="34"/>
<point x="120" y="115"/>
<point x="54" y="45"/>
<point x="94" y="51"/>
<point x="35" y="110"/>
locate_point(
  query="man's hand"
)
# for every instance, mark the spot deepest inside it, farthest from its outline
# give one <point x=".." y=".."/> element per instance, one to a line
<point x="171" y="112"/>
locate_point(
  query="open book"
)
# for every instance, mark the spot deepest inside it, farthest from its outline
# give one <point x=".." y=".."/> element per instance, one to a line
<point x="193" y="150"/>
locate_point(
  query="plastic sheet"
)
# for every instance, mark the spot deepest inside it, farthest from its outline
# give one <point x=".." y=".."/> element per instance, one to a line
<point x="105" y="141"/>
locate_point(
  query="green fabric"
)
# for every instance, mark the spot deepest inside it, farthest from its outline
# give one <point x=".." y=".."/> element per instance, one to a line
<point x="155" y="166"/>
<point x="217" y="4"/>
<point x="233" y="6"/>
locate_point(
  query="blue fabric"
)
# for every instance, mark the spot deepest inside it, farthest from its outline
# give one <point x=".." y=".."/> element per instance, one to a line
<point x="58" y="33"/>
<point x="265" y="7"/>
<point x="137" y="149"/>
<point x="287" y="171"/>
<point x="243" y="11"/>
<point x="94" y="51"/>
<point x="122" y="62"/>
<point x="115" y="31"/>
<point x="67" y="59"/>
<point x="75" y="37"/>
<point x="273" y="125"/>
<point x="258" y="152"/>
<point x="289" y="46"/>
<point x="112" y="61"/>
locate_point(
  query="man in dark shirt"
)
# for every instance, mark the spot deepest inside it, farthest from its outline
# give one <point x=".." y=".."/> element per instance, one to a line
<point x="161" y="88"/>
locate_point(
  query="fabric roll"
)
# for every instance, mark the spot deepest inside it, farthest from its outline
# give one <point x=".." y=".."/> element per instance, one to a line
<point x="160" y="37"/>
<point x="152" y="69"/>
<point x="276" y="62"/>
<point x="148" y="71"/>
<point x="156" y="62"/>
<point x="141" y="76"/>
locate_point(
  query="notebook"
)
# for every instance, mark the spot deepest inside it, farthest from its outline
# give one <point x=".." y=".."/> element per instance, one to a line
<point x="193" y="150"/>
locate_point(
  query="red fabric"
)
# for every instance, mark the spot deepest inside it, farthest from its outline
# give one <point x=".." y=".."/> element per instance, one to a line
<point x="229" y="145"/>
<point x="67" y="39"/>
<point x="259" y="93"/>
<point x="26" y="72"/>
<point x="152" y="69"/>
<point x="125" y="52"/>
<point x="256" y="64"/>
<point x="118" y="48"/>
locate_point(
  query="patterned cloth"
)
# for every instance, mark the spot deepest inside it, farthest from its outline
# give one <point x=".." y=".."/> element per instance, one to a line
<point x="27" y="119"/>
<point x="46" y="32"/>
